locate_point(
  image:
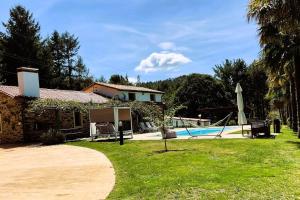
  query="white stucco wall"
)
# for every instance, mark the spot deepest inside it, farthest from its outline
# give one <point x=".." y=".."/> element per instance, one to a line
<point x="29" y="84"/>
<point x="142" y="96"/>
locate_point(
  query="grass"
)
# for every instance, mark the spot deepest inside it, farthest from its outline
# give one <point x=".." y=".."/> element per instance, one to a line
<point x="205" y="169"/>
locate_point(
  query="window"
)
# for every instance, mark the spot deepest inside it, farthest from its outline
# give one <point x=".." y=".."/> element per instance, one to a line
<point x="131" y="96"/>
<point x="0" y="123"/>
<point x="152" y="97"/>
<point x="77" y="119"/>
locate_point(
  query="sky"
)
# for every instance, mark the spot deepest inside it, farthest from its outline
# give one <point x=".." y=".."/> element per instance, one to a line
<point x="156" y="39"/>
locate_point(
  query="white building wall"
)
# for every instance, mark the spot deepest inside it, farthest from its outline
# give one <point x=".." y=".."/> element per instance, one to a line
<point x="158" y="97"/>
<point x="141" y="96"/>
<point x="29" y="84"/>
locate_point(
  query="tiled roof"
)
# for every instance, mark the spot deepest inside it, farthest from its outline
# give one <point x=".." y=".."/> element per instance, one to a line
<point x="65" y="95"/>
<point x="129" y="88"/>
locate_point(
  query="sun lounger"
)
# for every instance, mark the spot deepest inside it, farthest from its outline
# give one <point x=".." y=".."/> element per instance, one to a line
<point x="150" y="126"/>
<point x="154" y="126"/>
<point x="144" y="128"/>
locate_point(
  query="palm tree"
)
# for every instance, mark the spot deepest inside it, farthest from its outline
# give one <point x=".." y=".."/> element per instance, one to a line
<point x="279" y="31"/>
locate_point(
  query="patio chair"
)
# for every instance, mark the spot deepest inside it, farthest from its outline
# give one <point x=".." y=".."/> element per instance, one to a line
<point x="143" y="127"/>
<point x="167" y="133"/>
<point x="154" y="126"/>
<point x="112" y="129"/>
<point x="102" y="130"/>
<point x="150" y="126"/>
<point x="109" y="130"/>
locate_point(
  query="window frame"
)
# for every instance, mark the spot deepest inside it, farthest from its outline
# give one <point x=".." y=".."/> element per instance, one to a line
<point x="152" y="97"/>
<point x="131" y="93"/>
<point x="74" y="119"/>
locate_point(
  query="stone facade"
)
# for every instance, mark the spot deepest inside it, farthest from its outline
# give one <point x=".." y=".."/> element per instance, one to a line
<point x="20" y="125"/>
<point x="11" y="120"/>
<point x="35" y="124"/>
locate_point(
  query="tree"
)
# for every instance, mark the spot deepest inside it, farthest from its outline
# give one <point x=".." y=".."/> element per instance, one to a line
<point x="230" y="73"/>
<point x="21" y="46"/>
<point x="257" y="88"/>
<point x="71" y="47"/>
<point x="68" y="70"/>
<point x="82" y="78"/>
<point x="119" y="79"/>
<point x="199" y="91"/>
<point x="138" y="80"/>
<point x="56" y="48"/>
<point x="279" y="31"/>
<point x="101" y="79"/>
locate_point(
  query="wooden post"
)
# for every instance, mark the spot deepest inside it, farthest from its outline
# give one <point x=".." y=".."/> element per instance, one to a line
<point x="57" y="119"/>
<point x="163" y="115"/>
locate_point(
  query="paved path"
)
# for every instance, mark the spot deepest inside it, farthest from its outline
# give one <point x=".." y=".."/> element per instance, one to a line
<point x="54" y="172"/>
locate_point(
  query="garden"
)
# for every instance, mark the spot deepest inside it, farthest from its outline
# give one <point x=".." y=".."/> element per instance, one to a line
<point x="205" y="169"/>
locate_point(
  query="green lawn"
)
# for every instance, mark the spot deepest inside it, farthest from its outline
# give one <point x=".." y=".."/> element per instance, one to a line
<point x="205" y="169"/>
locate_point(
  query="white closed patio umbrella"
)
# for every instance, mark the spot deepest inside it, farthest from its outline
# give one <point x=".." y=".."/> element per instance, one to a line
<point x="241" y="115"/>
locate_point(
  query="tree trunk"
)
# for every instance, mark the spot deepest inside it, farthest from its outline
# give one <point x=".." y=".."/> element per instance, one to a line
<point x="294" y="119"/>
<point x="297" y="86"/>
<point x="289" y="114"/>
<point x="57" y="120"/>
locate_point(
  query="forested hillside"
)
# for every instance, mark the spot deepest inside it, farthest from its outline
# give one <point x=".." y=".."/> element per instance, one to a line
<point x="198" y="91"/>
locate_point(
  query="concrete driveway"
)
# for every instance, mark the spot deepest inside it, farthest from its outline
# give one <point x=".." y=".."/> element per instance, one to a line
<point x="54" y="172"/>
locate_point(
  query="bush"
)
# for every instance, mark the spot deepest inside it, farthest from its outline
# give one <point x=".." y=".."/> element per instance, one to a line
<point x="232" y="123"/>
<point x="52" y="137"/>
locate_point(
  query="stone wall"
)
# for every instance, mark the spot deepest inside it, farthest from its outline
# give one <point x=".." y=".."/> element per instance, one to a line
<point x="21" y="125"/>
<point x="35" y="124"/>
<point x="11" y="120"/>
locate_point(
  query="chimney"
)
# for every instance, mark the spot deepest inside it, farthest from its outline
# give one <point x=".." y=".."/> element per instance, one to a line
<point x="28" y="81"/>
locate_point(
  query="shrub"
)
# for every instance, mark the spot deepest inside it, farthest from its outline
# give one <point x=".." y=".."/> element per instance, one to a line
<point x="232" y="123"/>
<point x="52" y="137"/>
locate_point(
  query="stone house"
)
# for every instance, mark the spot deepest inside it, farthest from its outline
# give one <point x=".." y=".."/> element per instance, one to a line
<point x="17" y="124"/>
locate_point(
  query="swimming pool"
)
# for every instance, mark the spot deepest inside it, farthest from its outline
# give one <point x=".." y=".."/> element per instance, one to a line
<point x="203" y="131"/>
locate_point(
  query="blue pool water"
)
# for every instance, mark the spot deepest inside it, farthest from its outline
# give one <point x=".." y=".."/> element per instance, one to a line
<point x="203" y="131"/>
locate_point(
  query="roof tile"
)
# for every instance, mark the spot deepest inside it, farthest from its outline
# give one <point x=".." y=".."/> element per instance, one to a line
<point x="129" y="88"/>
<point x="65" y="95"/>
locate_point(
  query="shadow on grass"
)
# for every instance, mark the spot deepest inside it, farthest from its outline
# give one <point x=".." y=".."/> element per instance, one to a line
<point x="294" y="142"/>
<point x="170" y="150"/>
<point x="107" y="140"/>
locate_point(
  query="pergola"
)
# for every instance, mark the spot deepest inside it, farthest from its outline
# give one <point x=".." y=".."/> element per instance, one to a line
<point x="112" y="115"/>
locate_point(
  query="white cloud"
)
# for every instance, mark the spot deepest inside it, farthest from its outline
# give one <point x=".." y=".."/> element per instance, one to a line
<point x="132" y="80"/>
<point x="162" y="61"/>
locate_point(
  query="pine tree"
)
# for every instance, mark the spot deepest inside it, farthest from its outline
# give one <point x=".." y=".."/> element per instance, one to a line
<point x="119" y="79"/>
<point x="21" y="45"/>
<point x="81" y="75"/>
<point x="101" y="79"/>
<point x="56" y="48"/>
<point x="71" y="47"/>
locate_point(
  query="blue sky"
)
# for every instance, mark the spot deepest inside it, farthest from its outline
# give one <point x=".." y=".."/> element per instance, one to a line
<point x="156" y="39"/>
